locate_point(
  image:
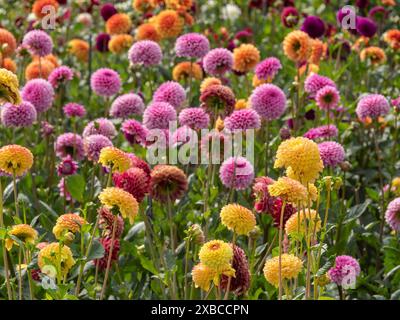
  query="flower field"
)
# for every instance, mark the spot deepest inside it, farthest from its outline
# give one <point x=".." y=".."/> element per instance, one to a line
<point x="199" y="150"/>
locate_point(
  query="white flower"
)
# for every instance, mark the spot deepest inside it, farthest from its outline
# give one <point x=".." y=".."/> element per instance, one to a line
<point x="231" y="12"/>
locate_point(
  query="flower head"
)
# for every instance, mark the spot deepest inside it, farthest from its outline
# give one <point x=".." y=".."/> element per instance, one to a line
<point x="135" y="132"/>
<point x="69" y="144"/>
<point x="122" y="200"/>
<point x="93" y="144"/>
<point x="102" y="41"/>
<point x="114" y="159"/>
<point x="105" y="82"/>
<point x="146" y="53"/>
<point x="313" y="26"/>
<point x="23" y="232"/>
<point x="60" y="75"/>
<point x="100" y="126"/>
<point x="291" y="267"/>
<point x="392" y="214"/>
<point x="202" y="276"/>
<point x="268" y="68"/>
<point x="217" y="255"/>
<point x="327" y="98"/>
<point x="169" y="24"/>
<point x="373" y="106"/>
<point x="107" y="10"/>
<point x="269" y="101"/>
<point x="344" y="266"/>
<point x="304" y="222"/>
<point x="171" y="92"/>
<point x="192" y="45"/>
<point x="185" y="70"/>
<point x="56" y="254"/>
<point x="9" y="91"/>
<point x="218" y="61"/>
<point x="237" y="173"/>
<point x="168" y="183"/>
<point x="118" y="23"/>
<point x="15" y="160"/>
<point x="106" y="243"/>
<point x="23" y="115"/>
<point x="135" y="181"/>
<point x="38" y="43"/>
<point x="39" y="6"/>
<point x="289" y="190"/>
<point x="238" y="219"/>
<point x="67" y="166"/>
<point x="194" y="118"/>
<point x="243" y="120"/>
<point x="392" y="37"/>
<point x="314" y="82"/>
<point x="120" y="43"/>
<point x="218" y="98"/>
<point x="79" y="48"/>
<point x="127" y="105"/>
<point x="40" y="93"/>
<point x="245" y="58"/>
<point x="374" y="54"/>
<point x="147" y="31"/>
<point x="297" y="46"/>
<point x="290" y="17"/>
<point x="332" y="153"/>
<point x="8" y="43"/>
<point x="73" y="109"/>
<point x="158" y="115"/>
<point x="366" y="27"/>
<point x="106" y="223"/>
<point x="69" y="222"/>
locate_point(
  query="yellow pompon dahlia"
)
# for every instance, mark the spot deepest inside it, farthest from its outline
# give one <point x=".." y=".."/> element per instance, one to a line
<point x="289" y="190"/>
<point x="245" y="57"/>
<point x="395" y="188"/>
<point x="217" y="255"/>
<point x="15" y="159"/>
<point x="68" y="222"/>
<point x="202" y="276"/>
<point x="291" y="267"/>
<point x="258" y="82"/>
<point x="392" y="38"/>
<point x="302" y="156"/>
<point x="210" y="81"/>
<point x="119" y="23"/>
<point x="238" y="219"/>
<point x="373" y="54"/>
<point x="303" y="220"/>
<point x="219" y="124"/>
<point x="23" y="232"/>
<point x="120" y="43"/>
<point x="169" y="24"/>
<point x="147" y="31"/>
<point x="297" y="46"/>
<point x="318" y="51"/>
<point x="241" y="104"/>
<point x="9" y="87"/>
<point x="115" y="159"/>
<point x="59" y="256"/>
<point x="79" y="48"/>
<point x="185" y="69"/>
<point x="122" y="200"/>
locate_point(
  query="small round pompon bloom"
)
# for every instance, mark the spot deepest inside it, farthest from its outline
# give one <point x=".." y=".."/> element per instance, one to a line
<point x="119" y="23"/>
<point x="127" y="105"/>
<point x="69" y="222"/>
<point x="158" y="115"/>
<point x="327" y="98"/>
<point x="245" y="58"/>
<point x="135" y="132"/>
<point x="60" y="75"/>
<point x="243" y="120"/>
<point x="100" y="126"/>
<point x="171" y="92"/>
<point x="146" y="53"/>
<point x="313" y="26"/>
<point x="344" y="266"/>
<point x="217" y="255"/>
<point x="291" y="267"/>
<point x="23" y="115"/>
<point x="168" y="183"/>
<point x="332" y="153"/>
<point x="194" y="118"/>
<point x="73" y="109"/>
<point x="238" y="219"/>
<point x="169" y="24"/>
<point x="297" y="46"/>
<point x="289" y="190"/>
<point x="296" y="224"/>
<point x="15" y="160"/>
<point x="269" y="101"/>
<point x="93" y="144"/>
<point x="268" y="68"/>
<point x="69" y="144"/>
<point x="38" y="43"/>
<point x="373" y="106"/>
<point x="392" y="214"/>
<point x="125" y="203"/>
<point x="114" y="159"/>
<point x="55" y="254"/>
<point x="237" y="173"/>
<point x="218" y="98"/>
<point x="105" y="82"/>
<point x="218" y="61"/>
<point x="192" y="45"/>
<point x="314" y="82"/>
<point x="322" y="132"/>
<point x="40" y="93"/>
<point x="135" y="181"/>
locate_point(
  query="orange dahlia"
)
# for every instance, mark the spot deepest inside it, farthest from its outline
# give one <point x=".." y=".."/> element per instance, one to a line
<point x="245" y="58"/>
<point x="39" y="9"/>
<point x="50" y="58"/>
<point x="374" y="54"/>
<point x="209" y="82"/>
<point x="79" y="48"/>
<point x="120" y="43"/>
<point x="185" y="70"/>
<point x="147" y="31"/>
<point x="297" y="46"/>
<point x="38" y="69"/>
<point x="391" y="37"/>
<point x="318" y="51"/>
<point x="118" y="23"/>
<point x="143" y="6"/>
<point x="169" y="24"/>
<point x="10" y="65"/>
<point x="168" y="183"/>
<point x="183" y="5"/>
<point x="69" y="222"/>
<point x="8" y="43"/>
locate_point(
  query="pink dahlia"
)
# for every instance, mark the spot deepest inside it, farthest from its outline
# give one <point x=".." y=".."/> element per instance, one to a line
<point x="100" y="126"/>
<point x="38" y="43"/>
<point x="218" y="61"/>
<point x="392" y="214"/>
<point x="373" y="106"/>
<point x="40" y="93"/>
<point x="127" y="105"/>
<point x="60" y="76"/>
<point x="171" y="92"/>
<point x="73" y="109"/>
<point x="23" y="115"/>
<point x="135" y="181"/>
<point x="134" y="132"/>
<point x="346" y="269"/>
<point x="327" y="98"/>
<point x="315" y="82"/>
<point x="322" y="132"/>
<point x="158" y="115"/>
<point x="242" y="120"/>
<point x="237" y="173"/>
<point x="192" y="45"/>
<point x="137" y="162"/>
<point x="269" y="101"/>
<point x="67" y="166"/>
<point x="195" y="118"/>
<point x="93" y="144"/>
<point x="183" y="135"/>
<point x="332" y="153"/>
<point x="268" y="68"/>
<point x="146" y="53"/>
<point x="69" y="144"/>
<point x="105" y="82"/>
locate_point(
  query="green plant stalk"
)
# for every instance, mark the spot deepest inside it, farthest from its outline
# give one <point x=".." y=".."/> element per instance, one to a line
<point x="266" y="148"/>
<point x="187" y="248"/>
<point x="173" y="243"/>
<point x="228" y="287"/>
<point x="19" y="273"/>
<point x="280" y="250"/>
<point x="15" y="194"/>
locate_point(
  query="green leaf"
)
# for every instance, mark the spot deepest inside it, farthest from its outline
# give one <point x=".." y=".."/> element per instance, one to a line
<point x="148" y="264"/>
<point x="134" y="230"/>
<point x="48" y="208"/>
<point x="356" y="211"/>
<point x="76" y="186"/>
<point x="96" y="251"/>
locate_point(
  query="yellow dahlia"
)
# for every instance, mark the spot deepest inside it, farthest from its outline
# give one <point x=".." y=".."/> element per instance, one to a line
<point x="210" y="81"/>
<point x="219" y="124"/>
<point x="122" y="200"/>
<point x="23" y="232"/>
<point x="291" y="267"/>
<point x="15" y="159"/>
<point x="58" y="256"/>
<point x="68" y="222"/>
<point x="374" y="54"/>
<point x="257" y="82"/>
<point x="396" y="186"/>
<point x="217" y="255"/>
<point x="9" y="91"/>
<point x="115" y="159"/>
<point x="238" y="219"/>
<point x="202" y="276"/>
<point x="185" y="69"/>
<point x="302" y="156"/>
<point x="297" y="46"/>
<point x="289" y="190"/>
<point x="245" y="57"/>
<point x="241" y="104"/>
<point x="79" y="48"/>
<point x="120" y="43"/>
<point x="296" y="224"/>
<point x="169" y="24"/>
